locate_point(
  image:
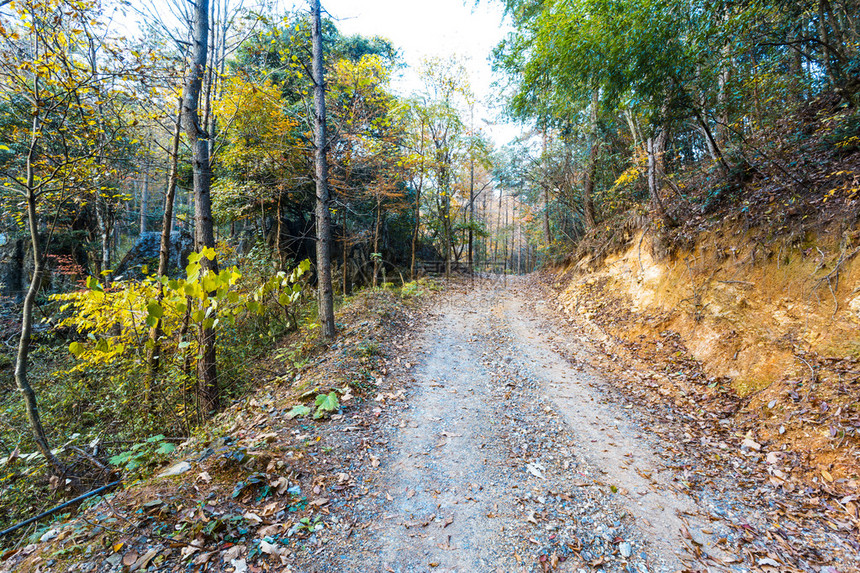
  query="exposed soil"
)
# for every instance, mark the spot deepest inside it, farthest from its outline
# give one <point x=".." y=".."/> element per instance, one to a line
<point x="499" y="435"/>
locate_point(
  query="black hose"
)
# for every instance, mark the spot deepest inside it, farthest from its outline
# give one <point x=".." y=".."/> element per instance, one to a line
<point x="58" y="508"/>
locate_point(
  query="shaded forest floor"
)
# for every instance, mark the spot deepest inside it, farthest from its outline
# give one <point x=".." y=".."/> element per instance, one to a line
<point x="484" y="430"/>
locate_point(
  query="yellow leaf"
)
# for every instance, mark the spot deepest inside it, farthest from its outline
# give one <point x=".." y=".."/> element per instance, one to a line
<point x="826" y="475"/>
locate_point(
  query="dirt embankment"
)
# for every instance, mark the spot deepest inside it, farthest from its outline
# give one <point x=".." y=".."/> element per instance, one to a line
<point x="769" y="327"/>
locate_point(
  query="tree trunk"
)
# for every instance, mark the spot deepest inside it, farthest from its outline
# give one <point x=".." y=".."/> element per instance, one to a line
<point x="21" y="362"/>
<point x="591" y="170"/>
<point x="824" y="39"/>
<point x="207" y="378"/>
<point x="347" y="283"/>
<point x="471" y="212"/>
<point x="416" y="228"/>
<point x="498" y="230"/>
<point x="103" y="220"/>
<point x="723" y="96"/>
<point x="655" y="152"/>
<point x="713" y="146"/>
<point x="155" y="333"/>
<point x="376" y="254"/>
<point x="446" y="221"/>
<point x="144" y="200"/>
<point x="545" y="184"/>
<point x="323" y="217"/>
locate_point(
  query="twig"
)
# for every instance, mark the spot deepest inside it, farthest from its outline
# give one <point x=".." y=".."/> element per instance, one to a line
<point x="808" y="365"/>
<point x="92" y="459"/>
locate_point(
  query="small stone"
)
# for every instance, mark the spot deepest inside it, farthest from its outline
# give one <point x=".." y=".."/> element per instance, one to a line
<point x="49" y="535"/>
<point x="294" y="490"/>
<point x="626" y="549"/>
<point x="751" y="444"/>
<point x="176" y="469"/>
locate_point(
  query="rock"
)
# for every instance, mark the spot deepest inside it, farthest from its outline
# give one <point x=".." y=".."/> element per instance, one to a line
<point x="626" y="549"/>
<point x="145" y="252"/>
<point x="176" y="469"/>
<point x="750" y="444"/>
<point x="294" y="490"/>
<point x="49" y="535"/>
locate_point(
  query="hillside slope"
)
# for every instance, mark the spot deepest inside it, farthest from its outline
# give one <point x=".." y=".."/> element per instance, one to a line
<point x="761" y="338"/>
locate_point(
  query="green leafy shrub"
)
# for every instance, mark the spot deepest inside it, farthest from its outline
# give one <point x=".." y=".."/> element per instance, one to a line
<point x="143" y="455"/>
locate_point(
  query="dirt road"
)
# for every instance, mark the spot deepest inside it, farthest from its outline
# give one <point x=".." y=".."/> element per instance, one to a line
<point x="510" y="451"/>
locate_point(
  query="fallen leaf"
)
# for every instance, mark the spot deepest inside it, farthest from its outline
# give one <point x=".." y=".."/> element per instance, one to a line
<point x="281" y="485"/>
<point x="751" y="444"/>
<point x="203" y="558"/>
<point x="144" y="561"/>
<point x="271" y="548"/>
<point x="232" y="553"/>
<point x="536" y="469"/>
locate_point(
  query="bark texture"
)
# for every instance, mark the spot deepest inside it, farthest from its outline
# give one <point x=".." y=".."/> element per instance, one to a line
<point x="323" y="217"/>
<point x="207" y="376"/>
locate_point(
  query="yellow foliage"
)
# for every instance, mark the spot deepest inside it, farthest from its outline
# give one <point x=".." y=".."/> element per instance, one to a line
<point x="259" y="132"/>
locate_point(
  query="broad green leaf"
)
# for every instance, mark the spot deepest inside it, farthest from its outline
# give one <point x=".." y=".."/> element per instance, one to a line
<point x="326" y="403"/>
<point x="154" y="309"/>
<point x="94" y="284"/>
<point x="298" y="411"/>
<point x="165" y="448"/>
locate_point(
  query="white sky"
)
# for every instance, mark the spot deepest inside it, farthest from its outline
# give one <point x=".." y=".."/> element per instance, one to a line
<point x="421" y="28"/>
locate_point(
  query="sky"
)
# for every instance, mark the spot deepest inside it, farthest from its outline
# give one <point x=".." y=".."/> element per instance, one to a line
<point x="422" y="28"/>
